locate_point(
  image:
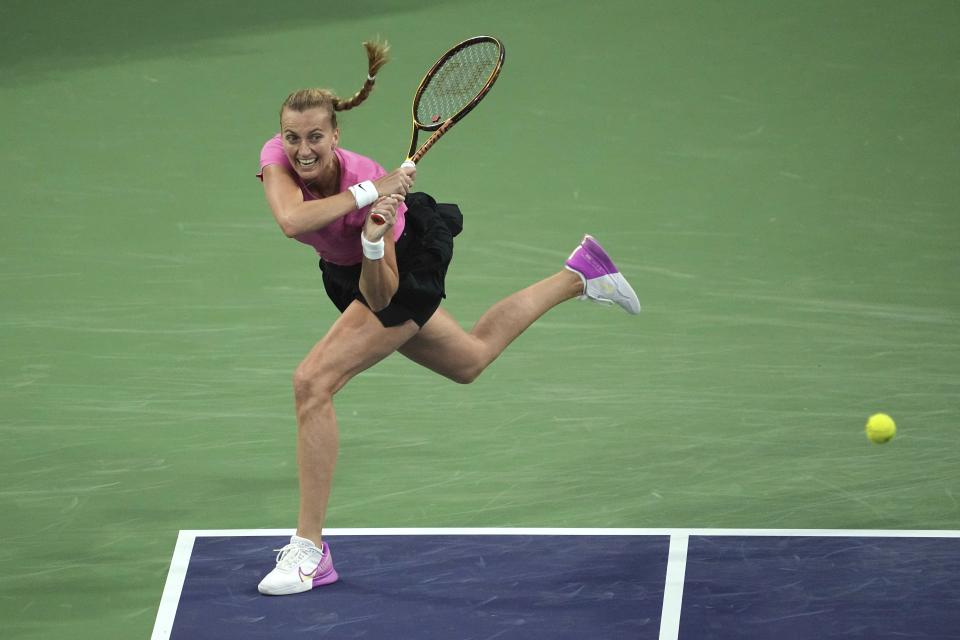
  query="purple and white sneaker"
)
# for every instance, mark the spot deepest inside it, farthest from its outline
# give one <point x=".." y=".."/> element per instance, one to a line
<point x="301" y="566"/>
<point x="602" y="281"/>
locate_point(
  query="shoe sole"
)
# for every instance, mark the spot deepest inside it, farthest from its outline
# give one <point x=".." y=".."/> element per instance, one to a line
<point x="300" y="587"/>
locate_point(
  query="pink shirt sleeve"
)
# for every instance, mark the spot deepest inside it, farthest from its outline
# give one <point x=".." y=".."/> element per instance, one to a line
<point x="272" y="153"/>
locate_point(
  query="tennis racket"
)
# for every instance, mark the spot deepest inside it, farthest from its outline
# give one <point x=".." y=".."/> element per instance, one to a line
<point x="453" y="86"/>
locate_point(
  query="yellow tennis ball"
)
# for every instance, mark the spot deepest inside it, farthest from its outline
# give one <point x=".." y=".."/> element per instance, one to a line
<point x="881" y="428"/>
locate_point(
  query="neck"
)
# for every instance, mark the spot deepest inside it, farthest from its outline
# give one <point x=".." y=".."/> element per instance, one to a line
<point x="328" y="183"/>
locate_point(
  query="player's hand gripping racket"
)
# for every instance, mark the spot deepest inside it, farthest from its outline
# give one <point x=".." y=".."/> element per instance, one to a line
<point x="450" y="90"/>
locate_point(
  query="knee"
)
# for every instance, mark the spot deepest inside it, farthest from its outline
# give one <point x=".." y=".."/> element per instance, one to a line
<point x="311" y="381"/>
<point x="466" y="373"/>
<point x="471" y="363"/>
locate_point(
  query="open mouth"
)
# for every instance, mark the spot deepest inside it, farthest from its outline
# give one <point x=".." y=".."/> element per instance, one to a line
<point x="306" y="163"/>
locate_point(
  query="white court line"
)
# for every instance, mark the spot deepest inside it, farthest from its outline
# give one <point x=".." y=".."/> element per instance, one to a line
<point x="556" y="531"/>
<point x="171" y="591"/>
<point x="673" y="587"/>
<point x="673" y="592"/>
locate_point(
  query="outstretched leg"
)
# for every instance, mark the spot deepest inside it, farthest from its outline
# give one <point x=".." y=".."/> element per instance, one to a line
<point x="443" y="346"/>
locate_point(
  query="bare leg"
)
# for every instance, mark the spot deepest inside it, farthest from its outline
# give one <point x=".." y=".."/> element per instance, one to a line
<point x="443" y="346"/>
<point x="355" y="342"/>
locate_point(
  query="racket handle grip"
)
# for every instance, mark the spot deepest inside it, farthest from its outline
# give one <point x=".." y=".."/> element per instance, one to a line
<point x="406" y="164"/>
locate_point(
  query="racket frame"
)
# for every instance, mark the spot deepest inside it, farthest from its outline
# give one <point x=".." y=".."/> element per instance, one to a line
<point x="440" y="128"/>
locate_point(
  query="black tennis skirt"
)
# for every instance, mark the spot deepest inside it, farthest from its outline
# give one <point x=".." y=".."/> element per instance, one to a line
<point x="424" y="252"/>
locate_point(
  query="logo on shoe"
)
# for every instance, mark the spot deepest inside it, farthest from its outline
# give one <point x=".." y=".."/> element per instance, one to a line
<point x="308" y="576"/>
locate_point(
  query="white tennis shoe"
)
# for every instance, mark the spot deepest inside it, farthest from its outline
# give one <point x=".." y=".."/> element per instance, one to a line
<point x="602" y="281"/>
<point x="301" y="566"/>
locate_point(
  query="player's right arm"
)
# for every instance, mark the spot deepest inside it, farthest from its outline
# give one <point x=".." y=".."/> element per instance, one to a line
<point x="296" y="215"/>
<point x="292" y="212"/>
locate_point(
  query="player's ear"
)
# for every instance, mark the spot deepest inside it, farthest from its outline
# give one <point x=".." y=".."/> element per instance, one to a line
<point x="336" y="136"/>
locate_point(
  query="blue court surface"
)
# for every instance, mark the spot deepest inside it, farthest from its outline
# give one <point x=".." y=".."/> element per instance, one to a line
<point x="555" y="584"/>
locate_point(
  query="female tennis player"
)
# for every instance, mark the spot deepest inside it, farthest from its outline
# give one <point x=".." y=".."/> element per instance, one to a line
<point x="387" y="280"/>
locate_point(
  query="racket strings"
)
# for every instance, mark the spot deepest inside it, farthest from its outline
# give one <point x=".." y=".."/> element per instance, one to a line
<point x="457" y="82"/>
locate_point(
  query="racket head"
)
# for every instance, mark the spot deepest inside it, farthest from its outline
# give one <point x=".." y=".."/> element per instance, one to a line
<point x="457" y="82"/>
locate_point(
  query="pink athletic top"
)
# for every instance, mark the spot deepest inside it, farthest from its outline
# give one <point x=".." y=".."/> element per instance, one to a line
<point x="339" y="241"/>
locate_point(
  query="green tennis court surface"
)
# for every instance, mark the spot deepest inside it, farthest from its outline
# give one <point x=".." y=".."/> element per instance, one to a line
<point x="779" y="181"/>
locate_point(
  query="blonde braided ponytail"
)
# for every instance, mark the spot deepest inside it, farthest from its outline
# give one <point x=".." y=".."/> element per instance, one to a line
<point x="377" y="56"/>
<point x="304" y="99"/>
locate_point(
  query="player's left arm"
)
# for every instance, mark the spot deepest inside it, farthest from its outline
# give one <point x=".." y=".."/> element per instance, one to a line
<point x="380" y="277"/>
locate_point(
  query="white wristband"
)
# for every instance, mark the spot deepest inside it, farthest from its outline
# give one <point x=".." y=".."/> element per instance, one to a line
<point x="371" y="250"/>
<point x="364" y="193"/>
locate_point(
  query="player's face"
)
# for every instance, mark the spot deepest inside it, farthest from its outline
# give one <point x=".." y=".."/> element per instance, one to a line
<point x="309" y="139"/>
